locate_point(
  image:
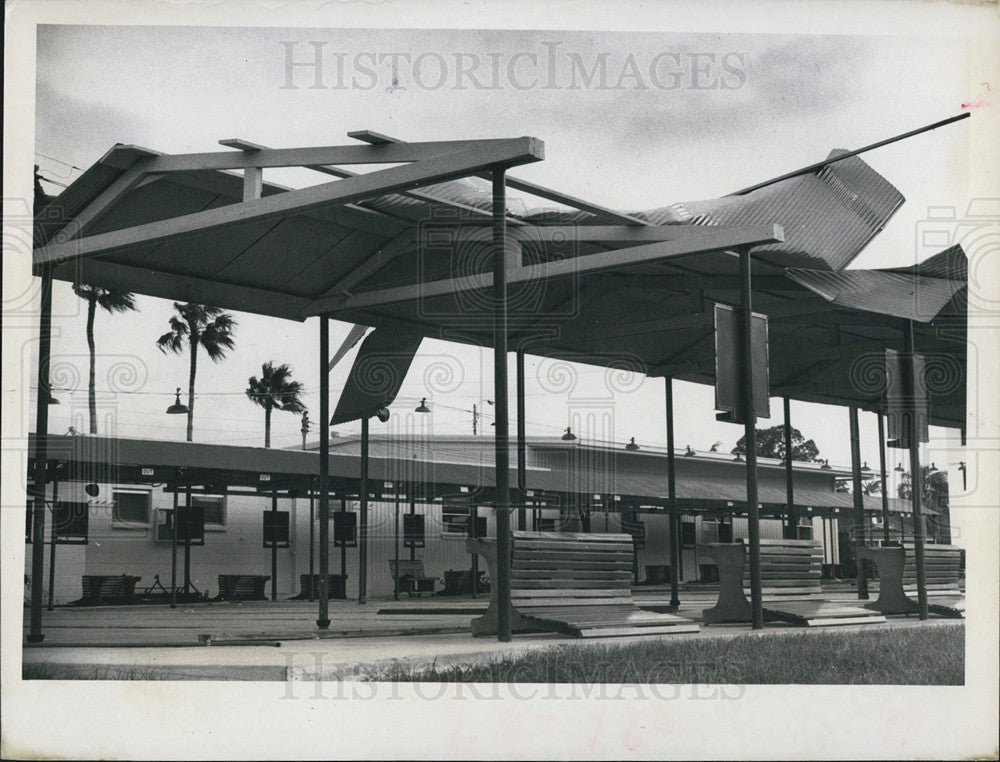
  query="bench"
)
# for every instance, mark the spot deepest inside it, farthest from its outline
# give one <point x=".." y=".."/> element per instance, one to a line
<point x="897" y="571"/>
<point x="573" y="583"/>
<point x="336" y="586"/>
<point x="411" y="577"/>
<point x="242" y="587"/>
<point x="108" y="588"/>
<point x="790" y="586"/>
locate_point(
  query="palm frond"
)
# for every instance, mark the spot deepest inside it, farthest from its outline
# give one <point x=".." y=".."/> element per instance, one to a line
<point x="116" y="301"/>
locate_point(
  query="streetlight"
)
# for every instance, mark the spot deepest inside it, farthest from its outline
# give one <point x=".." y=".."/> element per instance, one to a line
<point x="569" y="436"/>
<point x="422" y="407"/>
<point x="177" y="408"/>
<point x="631" y="446"/>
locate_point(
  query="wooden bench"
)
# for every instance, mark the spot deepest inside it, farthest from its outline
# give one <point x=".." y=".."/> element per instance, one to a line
<point x="108" y="588"/>
<point x="573" y="583"/>
<point x="412" y="579"/>
<point x="336" y="586"/>
<point x="790" y="586"/>
<point x="242" y="587"/>
<point x="897" y="572"/>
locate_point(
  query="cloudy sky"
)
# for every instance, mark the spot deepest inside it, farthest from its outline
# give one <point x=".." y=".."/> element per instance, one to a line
<point x="630" y="120"/>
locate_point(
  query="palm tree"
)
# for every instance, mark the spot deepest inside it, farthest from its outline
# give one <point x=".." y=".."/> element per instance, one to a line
<point x="198" y="325"/>
<point x="112" y="301"/>
<point x="274" y="390"/>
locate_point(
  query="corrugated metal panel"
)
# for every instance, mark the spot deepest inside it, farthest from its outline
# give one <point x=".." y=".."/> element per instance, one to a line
<point x="898" y="294"/>
<point x="828" y="217"/>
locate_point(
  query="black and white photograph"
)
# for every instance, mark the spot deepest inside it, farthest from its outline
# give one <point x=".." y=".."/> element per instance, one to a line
<point x="497" y="380"/>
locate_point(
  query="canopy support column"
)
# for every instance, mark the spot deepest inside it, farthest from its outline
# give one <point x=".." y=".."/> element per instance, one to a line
<point x="312" y="542"/>
<point x="916" y="476"/>
<point x="363" y="518"/>
<point x="791" y="525"/>
<point x="522" y="466"/>
<point x="173" y="541"/>
<point x="859" y="501"/>
<point x="41" y="456"/>
<point x="882" y="473"/>
<point x="675" y="524"/>
<point x="52" y="545"/>
<point x="323" y="617"/>
<point x="274" y="547"/>
<point x="502" y="440"/>
<point x="750" y="437"/>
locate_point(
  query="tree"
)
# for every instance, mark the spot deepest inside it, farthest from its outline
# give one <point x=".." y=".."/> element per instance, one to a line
<point x="934" y="483"/>
<point x="771" y="444"/>
<point x="112" y="301"/>
<point x="274" y="390"/>
<point x="198" y="326"/>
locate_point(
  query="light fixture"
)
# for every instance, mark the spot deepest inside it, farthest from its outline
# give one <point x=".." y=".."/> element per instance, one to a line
<point x="738" y="458"/>
<point x="177" y="408"/>
<point x="826" y="465"/>
<point x="92" y="489"/>
<point x="899" y="468"/>
<point x="49" y="399"/>
<point x="689" y="451"/>
<point x="422" y="407"/>
<point x="865" y="469"/>
<point x="632" y="446"/>
<point x="569" y="436"/>
<point x="383" y="414"/>
<point x="932" y="470"/>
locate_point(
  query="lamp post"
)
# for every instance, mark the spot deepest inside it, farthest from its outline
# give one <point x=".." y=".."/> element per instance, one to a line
<point x="569" y="436"/>
<point x="178" y="408"/>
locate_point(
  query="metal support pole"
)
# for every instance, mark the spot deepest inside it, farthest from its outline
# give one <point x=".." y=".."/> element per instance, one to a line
<point x="474" y="568"/>
<point x="750" y="435"/>
<point x="791" y="527"/>
<point x="312" y="542"/>
<point x="502" y="440"/>
<point x="916" y="476"/>
<point x="522" y="448"/>
<point x="274" y="547"/>
<point x="395" y="584"/>
<point x="52" y="544"/>
<point x="173" y="542"/>
<point x="363" y="519"/>
<point x="187" y="543"/>
<point x="675" y="524"/>
<point x="343" y="548"/>
<point x="859" y="501"/>
<point x="41" y="447"/>
<point x="323" y="617"/>
<point x="882" y="472"/>
<point x="413" y="510"/>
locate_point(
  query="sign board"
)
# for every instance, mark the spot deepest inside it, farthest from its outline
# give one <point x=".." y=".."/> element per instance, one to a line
<point x="70" y="522"/>
<point x="729" y="366"/>
<point x="276" y="529"/>
<point x="904" y="395"/>
<point x="413" y="530"/>
<point x="345" y="529"/>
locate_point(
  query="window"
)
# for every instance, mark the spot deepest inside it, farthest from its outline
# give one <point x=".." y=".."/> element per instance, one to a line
<point x="805" y="528"/>
<point x="131" y="507"/>
<point x="688" y="534"/>
<point x="215" y="509"/>
<point x="725" y="531"/>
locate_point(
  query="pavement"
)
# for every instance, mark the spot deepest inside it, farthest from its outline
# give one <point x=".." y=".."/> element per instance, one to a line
<point x="279" y="641"/>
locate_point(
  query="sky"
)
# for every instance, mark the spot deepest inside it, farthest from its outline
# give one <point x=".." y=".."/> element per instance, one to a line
<point x="630" y="120"/>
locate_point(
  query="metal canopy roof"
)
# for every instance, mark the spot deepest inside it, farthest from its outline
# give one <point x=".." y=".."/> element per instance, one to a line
<point x="407" y="249"/>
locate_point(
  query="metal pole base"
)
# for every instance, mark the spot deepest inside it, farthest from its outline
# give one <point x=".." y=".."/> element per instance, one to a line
<point x="35" y="638"/>
<point x="323" y="624"/>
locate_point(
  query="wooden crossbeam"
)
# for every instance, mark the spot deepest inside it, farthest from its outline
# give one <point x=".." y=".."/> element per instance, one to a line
<point x="375" y="138"/>
<point x="566" y="268"/>
<point x="392" y="180"/>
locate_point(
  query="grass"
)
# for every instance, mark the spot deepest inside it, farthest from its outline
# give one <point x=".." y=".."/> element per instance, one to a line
<point x="50" y="671"/>
<point x="910" y="656"/>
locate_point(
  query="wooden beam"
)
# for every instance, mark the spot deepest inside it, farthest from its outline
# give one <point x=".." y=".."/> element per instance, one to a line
<point x="253" y="183"/>
<point x="392" y="180"/>
<point x="567" y="268"/>
<point x="394" y="153"/>
<point x="375" y="138"/>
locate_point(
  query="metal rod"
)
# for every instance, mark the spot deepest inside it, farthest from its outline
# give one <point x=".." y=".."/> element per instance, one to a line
<point x="413" y="510"/>
<point x="395" y="584"/>
<point x="916" y="476"/>
<point x="474" y="568"/>
<point x="312" y="543"/>
<point x="41" y="456"/>
<point x="859" y="500"/>
<point x="675" y="525"/>
<point x="274" y="546"/>
<point x="173" y="541"/>
<point x="52" y="543"/>
<point x="501" y="440"/>
<point x="522" y="447"/>
<point x="849" y="154"/>
<point x="187" y="542"/>
<point x="343" y="548"/>
<point x="363" y="519"/>
<point x="791" y="527"/>
<point x="750" y="434"/>
<point x="882" y="472"/>
<point x="323" y="616"/>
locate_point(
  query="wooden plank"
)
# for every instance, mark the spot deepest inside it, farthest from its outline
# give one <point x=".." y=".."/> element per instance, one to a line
<point x="543" y="564"/>
<point x="382" y="182"/>
<point x="573" y="546"/>
<point x="573" y="592"/>
<point x="610" y="632"/>
<point x="567" y="558"/>
<point x="617" y="573"/>
<point x="570" y="583"/>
